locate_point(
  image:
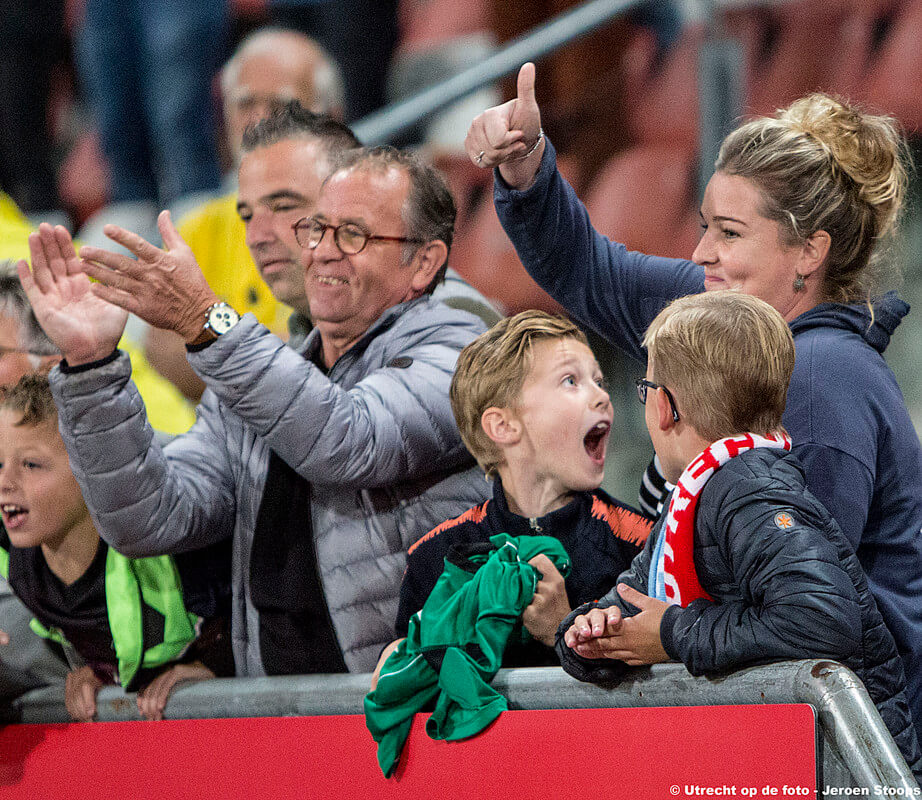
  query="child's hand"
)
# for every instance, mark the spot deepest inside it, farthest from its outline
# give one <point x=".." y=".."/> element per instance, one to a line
<point x="382" y="658"/>
<point x="588" y="628"/>
<point x="549" y="605"/>
<point x="640" y="639"/>
<point x="80" y="688"/>
<point x="4" y="637"/>
<point x="152" y="698"/>
<point x="637" y="640"/>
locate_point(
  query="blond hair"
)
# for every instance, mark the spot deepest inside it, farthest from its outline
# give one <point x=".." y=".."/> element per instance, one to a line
<point x="823" y="164"/>
<point x="728" y="357"/>
<point x="31" y="398"/>
<point x="491" y="371"/>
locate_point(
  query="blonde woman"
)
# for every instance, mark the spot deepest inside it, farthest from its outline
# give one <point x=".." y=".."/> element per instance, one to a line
<point x="797" y="213"/>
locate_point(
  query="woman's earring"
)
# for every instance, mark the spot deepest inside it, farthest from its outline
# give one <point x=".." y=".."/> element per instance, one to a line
<point x="799" y="284"/>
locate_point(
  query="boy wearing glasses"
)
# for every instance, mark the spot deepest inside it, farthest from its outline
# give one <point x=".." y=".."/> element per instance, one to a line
<point x="745" y="567"/>
<point x="531" y="408"/>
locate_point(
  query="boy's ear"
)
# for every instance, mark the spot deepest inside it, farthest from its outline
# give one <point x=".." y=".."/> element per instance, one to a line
<point x="501" y="425"/>
<point x="664" y="419"/>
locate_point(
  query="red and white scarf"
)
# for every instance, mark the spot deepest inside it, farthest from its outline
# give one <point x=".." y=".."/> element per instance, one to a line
<point x="675" y="564"/>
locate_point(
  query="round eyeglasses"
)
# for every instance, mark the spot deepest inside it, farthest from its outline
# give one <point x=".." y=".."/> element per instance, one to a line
<point x="349" y="237"/>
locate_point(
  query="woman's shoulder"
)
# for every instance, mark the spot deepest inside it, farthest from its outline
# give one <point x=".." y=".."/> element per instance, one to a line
<point x="831" y="355"/>
<point x="842" y="393"/>
<point x="858" y="330"/>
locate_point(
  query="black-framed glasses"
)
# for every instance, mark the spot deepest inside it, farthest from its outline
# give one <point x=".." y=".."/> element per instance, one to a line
<point x="643" y="384"/>
<point x="349" y="237"/>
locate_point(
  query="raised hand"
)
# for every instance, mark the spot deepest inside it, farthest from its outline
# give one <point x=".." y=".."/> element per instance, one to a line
<point x="84" y="327"/>
<point x="165" y="288"/>
<point x="549" y="605"/>
<point x="503" y="135"/>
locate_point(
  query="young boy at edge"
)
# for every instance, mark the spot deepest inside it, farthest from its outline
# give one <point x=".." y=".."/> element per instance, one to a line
<point x="530" y="404"/>
<point x="88" y="598"/>
<point x="745" y="567"/>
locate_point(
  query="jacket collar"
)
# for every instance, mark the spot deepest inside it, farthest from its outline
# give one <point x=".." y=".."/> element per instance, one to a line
<point x="889" y="311"/>
<point x="566" y="519"/>
<point x="311" y="349"/>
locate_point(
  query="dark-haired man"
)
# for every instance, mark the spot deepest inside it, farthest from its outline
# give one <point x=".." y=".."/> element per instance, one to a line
<point x="324" y="466"/>
<point x="282" y="163"/>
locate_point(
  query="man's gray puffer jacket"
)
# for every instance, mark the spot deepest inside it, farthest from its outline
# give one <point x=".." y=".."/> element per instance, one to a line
<point x="376" y="438"/>
<point x="786" y="585"/>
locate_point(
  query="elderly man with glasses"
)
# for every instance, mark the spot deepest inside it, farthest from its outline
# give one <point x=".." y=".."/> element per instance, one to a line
<point x="323" y="465"/>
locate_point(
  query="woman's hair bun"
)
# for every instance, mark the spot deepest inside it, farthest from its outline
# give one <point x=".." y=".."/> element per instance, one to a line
<point x="868" y="148"/>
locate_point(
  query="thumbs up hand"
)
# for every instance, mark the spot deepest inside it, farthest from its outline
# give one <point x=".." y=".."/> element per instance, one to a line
<point x="509" y="135"/>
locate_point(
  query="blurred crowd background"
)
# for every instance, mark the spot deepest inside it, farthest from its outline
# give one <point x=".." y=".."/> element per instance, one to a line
<point x="110" y="110"/>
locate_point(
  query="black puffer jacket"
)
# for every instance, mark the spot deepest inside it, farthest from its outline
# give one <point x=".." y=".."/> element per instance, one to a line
<point x="786" y="585"/>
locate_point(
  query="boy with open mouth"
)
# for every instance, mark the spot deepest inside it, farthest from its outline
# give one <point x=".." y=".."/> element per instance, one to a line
<point x="144" y="623"/>
<point x="531" y="406"/>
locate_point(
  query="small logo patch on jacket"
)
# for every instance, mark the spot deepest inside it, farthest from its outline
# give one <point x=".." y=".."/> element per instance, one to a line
<point x="783" y="520"/>
<point x="401" y="362"/>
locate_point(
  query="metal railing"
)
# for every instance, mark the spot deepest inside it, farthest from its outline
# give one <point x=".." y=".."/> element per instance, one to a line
<point x="856" y="748"/>
<point x="719" y="77"/>
<point x="382" y="126"/>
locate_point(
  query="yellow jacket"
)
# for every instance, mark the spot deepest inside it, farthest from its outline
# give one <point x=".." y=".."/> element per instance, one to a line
<point x="14" y="230"/>
<point x="167" y="410"/>
<point x="216" y="235"/>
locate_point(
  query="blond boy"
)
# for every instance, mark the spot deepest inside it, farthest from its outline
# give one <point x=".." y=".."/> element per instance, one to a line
<point x="745" y="566"/>
<point x="531" y="407"/>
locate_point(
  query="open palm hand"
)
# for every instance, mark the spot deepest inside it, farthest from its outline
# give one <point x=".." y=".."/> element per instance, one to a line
<point x="83" y="326"/>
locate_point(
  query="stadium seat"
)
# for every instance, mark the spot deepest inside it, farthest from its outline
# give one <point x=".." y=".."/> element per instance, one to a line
<point x="895" y="71"/>
<point x="487" y="260"/>
<point x="780" y="42"/>
<point x="661" y="90"/>
<point x="424" y="23"/>
<point x="646" y="197"/>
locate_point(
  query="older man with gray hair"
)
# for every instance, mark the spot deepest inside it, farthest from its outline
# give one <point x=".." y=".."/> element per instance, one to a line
<point x="323" y="465"/>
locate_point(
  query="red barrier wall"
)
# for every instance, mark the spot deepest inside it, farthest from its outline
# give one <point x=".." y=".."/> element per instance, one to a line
<point x="640" y="754"/>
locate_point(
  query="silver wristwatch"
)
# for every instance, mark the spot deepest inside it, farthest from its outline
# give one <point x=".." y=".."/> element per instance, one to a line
<point x="219" y="319"/>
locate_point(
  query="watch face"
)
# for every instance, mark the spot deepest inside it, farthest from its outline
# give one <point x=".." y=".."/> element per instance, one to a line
<point x="222" y="318"/>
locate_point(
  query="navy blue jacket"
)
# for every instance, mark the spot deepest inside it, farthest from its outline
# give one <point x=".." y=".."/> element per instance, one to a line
<point x="845" y="412"/>
<point x="600" y="535"/>
<point x="785" y="585"/>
